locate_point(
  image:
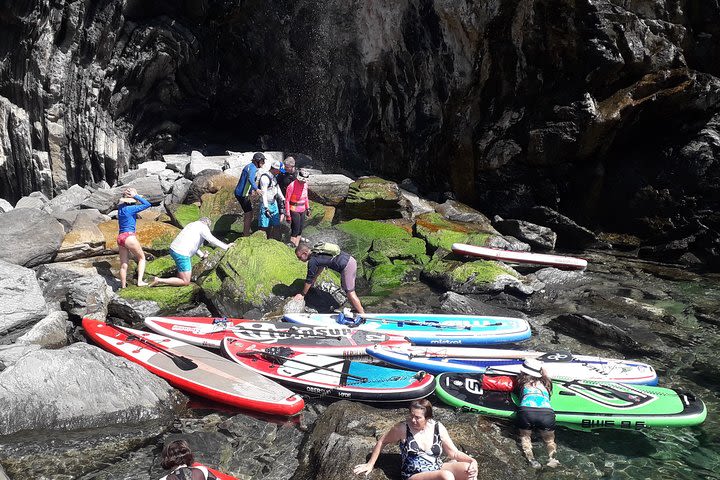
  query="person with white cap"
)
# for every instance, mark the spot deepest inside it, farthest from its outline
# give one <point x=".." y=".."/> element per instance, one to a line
<point x="534" y="389"/>
<point x="270" y="216"/>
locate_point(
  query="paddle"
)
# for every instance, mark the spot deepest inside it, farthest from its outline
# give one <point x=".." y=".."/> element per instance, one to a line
<point x="319" y="367"/>
<point x="421" y="323"/>
<point x="183" y="363"/>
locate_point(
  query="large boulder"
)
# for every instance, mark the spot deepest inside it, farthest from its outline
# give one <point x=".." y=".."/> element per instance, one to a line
<point x="439" y="232"/>
<point x="36" y="200"/>
<point x="50" y="332"/>
<point x="153" y="167"/>
<point x="210" y="182"/>
<point x="132" y="303"/>
<point x="373" y="198"/>
<point x="106" y="199"/>
<point x="459" y="212"/>
<point x="70" y="199"/>
<point x="29" y="237"/>
<point x="331" y="189"/>
<point x="21" y="298"/>
<point x="10" y="354"/>
<point x="198" y="164"/>
<point x="78" y="288"/>
<point x="570" y="235"/>
<point x="223" y="209"/>
<point x="177" y="162"/>
<point x="480" y="276"/>
<point x="536" y="236"/>
<point x="84" y="238"/>
<point x="131" y="175"/>
<point x="80" y="386"/>
<point x="179" y="191"/>
<point x="253" y="274"/>
<point x="5" y="206"/>
<point x="181" y="215"/>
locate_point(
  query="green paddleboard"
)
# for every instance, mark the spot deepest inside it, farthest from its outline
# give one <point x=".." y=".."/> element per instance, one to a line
<point x="582" y="404"/>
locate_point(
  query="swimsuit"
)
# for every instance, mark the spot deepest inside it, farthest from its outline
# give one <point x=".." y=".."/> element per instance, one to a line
<point x="535" y="410"/>
<point x="416" y="460"/>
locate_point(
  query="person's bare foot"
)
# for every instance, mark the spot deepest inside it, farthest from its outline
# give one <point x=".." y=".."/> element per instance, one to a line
<point x="154" y="282"/>
<point x="142" y="284"/>
<point x="553" y="463"/>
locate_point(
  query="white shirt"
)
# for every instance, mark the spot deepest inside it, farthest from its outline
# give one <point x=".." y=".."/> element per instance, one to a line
<point x="191" y="238"/>
<point x="269" y="188"/>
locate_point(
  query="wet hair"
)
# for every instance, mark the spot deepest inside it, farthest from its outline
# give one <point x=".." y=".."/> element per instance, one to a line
<point x="423" y="405"/>
<point x="523" y="379"/>
<point x="176" y="453"/>
<point x="302" y="248"/>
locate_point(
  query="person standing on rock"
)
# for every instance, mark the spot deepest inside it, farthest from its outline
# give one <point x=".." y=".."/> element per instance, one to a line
<point x="286" y="176"/>
<point x="533" y="388"/>
<point x="342" y="262"/>
<point x="185" y="245"/>
<point x="272" y="198"/>
<point x="247" y="188"/>
<point x="127" y="241"/>
<point x="297" y="206"/>
<point x="422" y="440"/>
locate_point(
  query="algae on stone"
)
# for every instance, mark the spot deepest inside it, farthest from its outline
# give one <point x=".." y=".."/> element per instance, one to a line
<point x="223" y="209"/>
<point x="440" y="232"/>
<point x="388" y="276"/>
<point x="373" y="198"/>
<point x="170" y="299"/>
<point x="182" y="215"/>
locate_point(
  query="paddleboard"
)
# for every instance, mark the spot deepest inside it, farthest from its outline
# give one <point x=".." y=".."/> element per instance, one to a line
<point x="219" y="475"/>
<point x="437" y="360"/>
<point x="431" y="329"/>
<point x="329" y="376"/>
<point x="558" y="261"/>
<point x="582" y="404"/>
<point x="333" y="340"/>
<point x="195" y="370"/>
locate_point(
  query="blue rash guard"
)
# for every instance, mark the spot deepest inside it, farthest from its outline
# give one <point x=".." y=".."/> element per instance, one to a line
<point x="247" y="181"/>
<point x="127" y="214"/>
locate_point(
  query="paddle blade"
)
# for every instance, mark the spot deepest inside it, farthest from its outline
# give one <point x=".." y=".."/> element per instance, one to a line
<point x="183" y="363"/>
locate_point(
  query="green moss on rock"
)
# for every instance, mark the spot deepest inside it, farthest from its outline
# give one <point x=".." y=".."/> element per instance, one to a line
<point x="373" y="198"/>
<point x="439" y="232"/>
<point x="211" y="284"/>
<point x="223" y="209"/>
<point x="387" y="277"/>
<point x="161" y="267"/>
<point x="170" y="299"/>
<point x="480" y="271"/>
<point x="393" y="248"/>
<point x="182" y="215"/>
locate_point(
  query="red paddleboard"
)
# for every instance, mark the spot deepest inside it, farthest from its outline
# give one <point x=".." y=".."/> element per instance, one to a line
<point x="219" y="475"/>
<point x="330" y="376"/>
<point x="337" y="340"/>
<point x="195" y="370"/>
<point x="558" y="261"/>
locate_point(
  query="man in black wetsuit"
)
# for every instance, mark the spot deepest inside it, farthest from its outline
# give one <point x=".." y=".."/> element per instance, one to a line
<point x="343" y="263"/>
<point x="286" y="177"/>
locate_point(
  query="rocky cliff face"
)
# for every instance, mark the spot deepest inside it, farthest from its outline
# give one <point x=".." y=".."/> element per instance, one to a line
<point x="607" y="110"/>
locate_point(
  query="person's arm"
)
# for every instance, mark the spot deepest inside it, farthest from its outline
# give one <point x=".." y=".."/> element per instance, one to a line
<point x="393" y="435"/>
<point x="288" y="194"/>
<point x="264" y="184"/>
<point x="314" y="271"/>
<point x="144" y="205"/>
<point x="210" y="238"/>
<point x="252" y="174"/>
<point x="307" y="197"/>
<point x="452" y="452"/>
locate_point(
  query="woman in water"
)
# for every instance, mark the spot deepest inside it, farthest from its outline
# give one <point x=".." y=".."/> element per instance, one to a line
<point x="178" y="458"/>
<point x="422" y="440"/>
<point x="127" y="240"/>
<point x="534" y="388"/>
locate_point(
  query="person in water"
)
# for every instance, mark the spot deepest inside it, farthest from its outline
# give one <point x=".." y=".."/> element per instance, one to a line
<point x="533" y="388"/>
<point x="344" y="263"/>
<point x="247" y="188"/>
<point x="129" y="206"/>
<point x="185" y="245"/>
<point x="297" y="206"/>
<point x="179" y="459"/>
<point x="422" y="440"/>
<point x="272" y="198"/>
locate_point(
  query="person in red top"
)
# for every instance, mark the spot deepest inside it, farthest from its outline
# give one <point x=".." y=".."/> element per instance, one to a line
<point x="297" y="206"/>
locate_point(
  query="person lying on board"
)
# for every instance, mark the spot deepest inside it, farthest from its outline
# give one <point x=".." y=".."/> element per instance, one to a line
<point x="185" y="245"/>
<point x="533" y="387"/>
<point x="422" y="441"/>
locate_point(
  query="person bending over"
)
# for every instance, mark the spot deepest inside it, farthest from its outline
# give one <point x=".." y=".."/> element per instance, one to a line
<point x="178" y="458"/>
<point x="127" y="240"/>
<point x="422" y="441"/>
<point x="344" y="263"/>
<point x="185" y="245"/>
<point x="534" y="388"/>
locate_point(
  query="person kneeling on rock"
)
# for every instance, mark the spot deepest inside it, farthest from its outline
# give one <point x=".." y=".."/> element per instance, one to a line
<point x="341" y="262"/>
<point x="185" y="245"/>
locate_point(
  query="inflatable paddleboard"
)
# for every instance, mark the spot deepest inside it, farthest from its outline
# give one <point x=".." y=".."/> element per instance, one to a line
<point x="437" y="360"/>
<point x="218" y="475"/>
<point x="431" y="329"/>
<point x="330" y="376"/>
<point x="557" y="261"/>
<point x="582" y="404"/>
<point x="195" y="370"/>
<point x="333" y="340"/>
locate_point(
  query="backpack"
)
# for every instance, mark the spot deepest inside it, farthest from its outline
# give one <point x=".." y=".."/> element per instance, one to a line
<point x="326" y="248"/>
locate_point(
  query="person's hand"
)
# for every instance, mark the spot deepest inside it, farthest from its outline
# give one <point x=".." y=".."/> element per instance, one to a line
<point x="472" y="469"/>
<point x="288" y="218"/>
<point x="298" y="297"/>
<point x="202" y="254"/>
<point x="365" y="468"/>
<point x="130" y="192"/>
<point x="267" y="213"/>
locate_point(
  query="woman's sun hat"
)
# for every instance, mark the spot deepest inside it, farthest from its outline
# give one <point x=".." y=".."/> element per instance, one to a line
<point x="532" y="367"/>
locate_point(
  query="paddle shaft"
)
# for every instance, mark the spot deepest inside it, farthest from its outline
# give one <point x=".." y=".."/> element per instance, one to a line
<point x="257" y="352"/>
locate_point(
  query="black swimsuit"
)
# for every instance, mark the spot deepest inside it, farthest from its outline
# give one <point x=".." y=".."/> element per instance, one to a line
<point x="414" y="459"/>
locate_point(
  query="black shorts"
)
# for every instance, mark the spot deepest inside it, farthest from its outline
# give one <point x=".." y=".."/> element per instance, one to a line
<point x="297" y="223"/>
<point x="245" y="203"/>
<point x="529" y="418"/>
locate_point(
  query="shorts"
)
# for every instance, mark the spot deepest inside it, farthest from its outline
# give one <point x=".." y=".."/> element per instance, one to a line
<point x="529" y="418"/>
<point x="184" y="263"/>
<point x="297" y="223"/>
<point x="245" y="203"/>
<point x="273" y="220"/>
<point x="123" y="236"/>
<point x="347" y="276"/>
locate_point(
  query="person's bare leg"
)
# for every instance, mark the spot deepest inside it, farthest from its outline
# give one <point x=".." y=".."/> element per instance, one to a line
<point x="355" y="301"/>
<point x="124" y="257"/>
<point x="526" y="445"/>
<point x="133" y="244"/>
<point x="182" y="280"/>
<point x="295" y="241"/>
<point x="549" y="439"/>
<point x="459" y="470"/>
<point x="247" y="223"/>
<point x="442" y="474"/>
